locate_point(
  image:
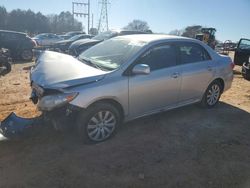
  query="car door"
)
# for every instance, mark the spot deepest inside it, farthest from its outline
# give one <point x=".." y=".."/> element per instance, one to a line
<point x="54" y="39"/>
<point x="197" y="70"/>
<point x="46" y="41"/>
<point x="242" y="52"/>
<point x="43" y="40"/>
<point x="10" y="41"/>
<point x="158" y="89"/>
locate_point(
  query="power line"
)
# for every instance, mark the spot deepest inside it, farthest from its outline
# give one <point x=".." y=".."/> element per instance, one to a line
<point x="103" y="21"/>
<point x="82" y="11"/>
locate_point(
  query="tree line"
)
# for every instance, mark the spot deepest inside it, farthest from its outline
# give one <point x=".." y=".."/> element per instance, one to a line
<point x="33" y="23"/>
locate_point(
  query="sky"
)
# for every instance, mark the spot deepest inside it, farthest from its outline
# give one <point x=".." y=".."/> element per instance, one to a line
<point x="229" y="17"/>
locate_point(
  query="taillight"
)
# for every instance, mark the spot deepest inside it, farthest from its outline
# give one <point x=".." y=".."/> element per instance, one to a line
<point x="34" y="42"/>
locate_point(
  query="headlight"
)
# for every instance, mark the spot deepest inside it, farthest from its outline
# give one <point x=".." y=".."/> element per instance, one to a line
<point x="50" y="102"/>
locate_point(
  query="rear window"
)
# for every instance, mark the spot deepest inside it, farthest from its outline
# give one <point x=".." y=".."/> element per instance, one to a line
<point x="192" y="53"/>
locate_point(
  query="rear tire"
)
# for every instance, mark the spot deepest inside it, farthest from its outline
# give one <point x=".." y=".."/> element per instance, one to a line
<point x="212" y="95"/>
<point x="7" y="66"/>
<point x="98" y="123"/>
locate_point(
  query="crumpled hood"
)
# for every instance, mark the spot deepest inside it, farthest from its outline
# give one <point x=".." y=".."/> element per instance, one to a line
<point x="57" y="71"/>
<point x="84" y="41"/>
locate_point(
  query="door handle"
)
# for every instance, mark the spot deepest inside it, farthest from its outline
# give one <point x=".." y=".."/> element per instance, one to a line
<point x="175" y="75"/>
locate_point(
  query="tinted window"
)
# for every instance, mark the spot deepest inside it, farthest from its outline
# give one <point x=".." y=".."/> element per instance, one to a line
<point x="9" y="36"/>
<point x="160" y="57"/>
<point x="191" y="53"/>
<point x="244" y="44"/>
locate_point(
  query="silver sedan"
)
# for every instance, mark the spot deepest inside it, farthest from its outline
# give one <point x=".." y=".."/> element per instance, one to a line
<point x="125" y="78"/>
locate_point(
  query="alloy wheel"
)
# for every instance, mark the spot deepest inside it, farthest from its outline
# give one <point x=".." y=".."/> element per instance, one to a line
<point x="213" y="94"/>
<point x="101" y="125"/>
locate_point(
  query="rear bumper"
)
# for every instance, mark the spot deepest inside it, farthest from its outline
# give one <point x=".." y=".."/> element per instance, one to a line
<point x="228" y="80"/>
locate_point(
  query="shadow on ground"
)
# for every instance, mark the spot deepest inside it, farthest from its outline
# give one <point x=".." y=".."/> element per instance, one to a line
<point x="187" y="147"/>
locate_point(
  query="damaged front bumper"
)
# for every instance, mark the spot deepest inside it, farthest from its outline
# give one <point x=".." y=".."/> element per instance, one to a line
<point x="63" y="118"/>
<point x="14" y="126"/>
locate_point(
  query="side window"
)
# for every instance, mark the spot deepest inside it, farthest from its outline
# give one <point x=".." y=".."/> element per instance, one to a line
<point x="191" y="53"/>
<point x="14" y="36"/>
<point x="244" y="44"/>
<point x="159" y="57"/>
<point x="51" y="36"/>
<point x="10" y="36"/>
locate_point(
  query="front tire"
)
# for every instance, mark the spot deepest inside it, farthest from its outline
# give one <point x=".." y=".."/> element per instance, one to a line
<point x="7" y="68"/>
<point x="212" y="95"/>
<point x="98" y="123"/>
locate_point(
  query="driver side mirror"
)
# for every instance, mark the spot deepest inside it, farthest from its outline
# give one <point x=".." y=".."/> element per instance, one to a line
<point x="141" y="69"/>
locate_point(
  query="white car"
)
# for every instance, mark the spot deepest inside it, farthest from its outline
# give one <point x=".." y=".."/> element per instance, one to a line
<point x="47" y="39"/>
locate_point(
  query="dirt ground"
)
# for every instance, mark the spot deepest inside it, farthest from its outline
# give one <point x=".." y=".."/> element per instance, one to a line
<point x="187" y="147"/>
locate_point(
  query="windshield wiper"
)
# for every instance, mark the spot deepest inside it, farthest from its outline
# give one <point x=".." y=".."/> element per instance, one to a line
<point x="89" y="62"/>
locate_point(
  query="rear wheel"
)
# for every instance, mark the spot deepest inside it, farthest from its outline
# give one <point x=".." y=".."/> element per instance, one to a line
<point x="27" y="55"/>
<point x="5" y="68"/>
<point x="212" y="94"/>
<point x="98" y="123"/>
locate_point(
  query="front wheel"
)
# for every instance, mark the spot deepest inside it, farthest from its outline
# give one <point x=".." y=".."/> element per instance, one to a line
<point x="98" y="123"/>
<point x="5" y="68"/>
<point x="212" y="95"/>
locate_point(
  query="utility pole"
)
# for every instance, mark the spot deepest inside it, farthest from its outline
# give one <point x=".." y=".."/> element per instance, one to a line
<point x="81" y="12"/>
<point x="103" y="21"/>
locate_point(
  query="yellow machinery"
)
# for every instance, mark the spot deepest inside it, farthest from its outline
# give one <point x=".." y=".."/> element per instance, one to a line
<point x="207" y="35"/>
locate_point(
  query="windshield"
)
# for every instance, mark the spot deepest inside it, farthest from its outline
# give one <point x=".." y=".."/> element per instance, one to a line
<point x="106" y="35"/>
<point x="111" y="54"/>
<point x="75" y="37"/>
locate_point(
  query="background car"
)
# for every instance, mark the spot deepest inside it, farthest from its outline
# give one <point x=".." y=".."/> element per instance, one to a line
<point x="128" y="77"/>
<point x="242" y="52"/>
<point x="81" y="45"/>
<point x="63" y="45"/>
<point x="19" y="44"/>
<point x="71" y="34"/>
<point x="46" y="39"/>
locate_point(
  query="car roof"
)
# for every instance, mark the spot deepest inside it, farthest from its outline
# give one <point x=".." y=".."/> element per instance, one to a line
<point x="74" y="32"/>
<point x="46" y="34"/>
<point x="14" y="32"/>
<point x="148" y="38"/>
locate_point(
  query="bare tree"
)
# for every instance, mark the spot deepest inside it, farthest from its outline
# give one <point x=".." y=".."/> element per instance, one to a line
<point x="192" y="31"/>
<point x="176" y="32"/>
<point x="137" y="25"/>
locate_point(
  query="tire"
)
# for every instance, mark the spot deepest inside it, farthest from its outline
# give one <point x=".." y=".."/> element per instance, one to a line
<point x="98" y="123"/>
<point x="246" y="71"/>
<point x="27" y="55"/>
<point x="212" y="95"/>
<point x="7" y="66"/>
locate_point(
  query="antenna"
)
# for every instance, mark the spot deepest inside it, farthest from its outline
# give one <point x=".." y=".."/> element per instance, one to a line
<point x="103" y="21"/>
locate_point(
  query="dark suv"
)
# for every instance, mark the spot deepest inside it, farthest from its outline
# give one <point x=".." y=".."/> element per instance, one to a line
<point x="19" y="44"/>
<point x="81" y="45"/>
<point x="242" y="52"/>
